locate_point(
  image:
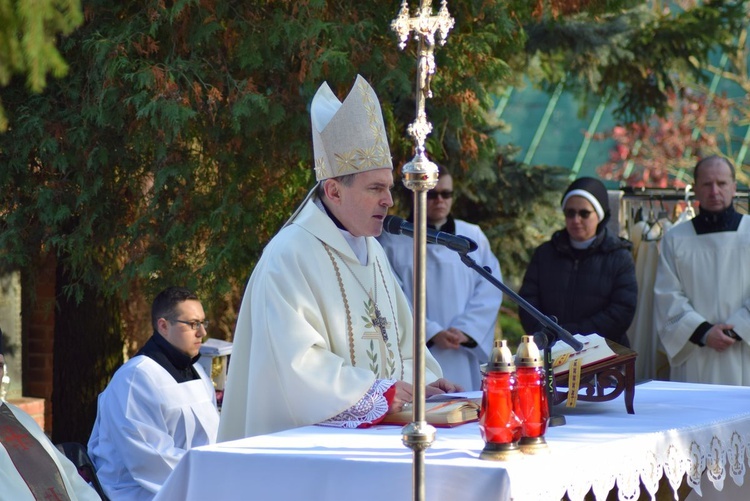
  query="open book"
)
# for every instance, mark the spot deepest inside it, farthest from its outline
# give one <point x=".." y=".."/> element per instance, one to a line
<point x="595" y="349"/>
<point x="440" y="413"/>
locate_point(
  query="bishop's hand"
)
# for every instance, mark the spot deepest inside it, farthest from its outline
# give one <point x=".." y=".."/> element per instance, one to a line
<point x="403" y="396"/>
<point x="442" y="386"/>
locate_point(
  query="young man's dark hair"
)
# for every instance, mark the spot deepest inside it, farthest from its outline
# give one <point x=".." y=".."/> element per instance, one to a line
<point x="165" y="302"/>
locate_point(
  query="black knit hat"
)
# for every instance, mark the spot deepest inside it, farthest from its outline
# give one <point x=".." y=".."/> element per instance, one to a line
<point x="592" y="190"/>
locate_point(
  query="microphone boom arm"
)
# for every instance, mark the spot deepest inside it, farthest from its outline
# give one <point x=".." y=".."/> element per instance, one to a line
<point x="548" y="324"/>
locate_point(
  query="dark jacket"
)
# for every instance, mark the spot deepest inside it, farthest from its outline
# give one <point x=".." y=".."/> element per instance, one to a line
<point x="589" y="291"/>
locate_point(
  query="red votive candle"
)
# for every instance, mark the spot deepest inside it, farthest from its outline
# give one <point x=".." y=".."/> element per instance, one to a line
<point x="497" y="420"/>
<point x="498" y="424"/>
<point x="532" y="401"/>
<point x="532" y="406"/>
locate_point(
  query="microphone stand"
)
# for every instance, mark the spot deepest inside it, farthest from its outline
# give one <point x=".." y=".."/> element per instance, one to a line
<point x="551" y="332"/>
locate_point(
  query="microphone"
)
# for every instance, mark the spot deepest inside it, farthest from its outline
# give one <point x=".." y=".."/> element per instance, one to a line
<point x="396" y="226"/>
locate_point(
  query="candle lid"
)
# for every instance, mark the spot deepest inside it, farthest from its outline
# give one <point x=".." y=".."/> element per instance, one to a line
<point x="501" y="359"/>
<point x="528" y="354"/>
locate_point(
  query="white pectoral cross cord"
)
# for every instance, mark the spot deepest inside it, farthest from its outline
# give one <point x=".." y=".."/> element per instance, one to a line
<point x="376" y="317"/>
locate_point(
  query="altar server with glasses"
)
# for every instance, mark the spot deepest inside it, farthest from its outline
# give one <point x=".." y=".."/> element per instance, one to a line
<point x="583" y="276"/>
<point x="158" y="405"/>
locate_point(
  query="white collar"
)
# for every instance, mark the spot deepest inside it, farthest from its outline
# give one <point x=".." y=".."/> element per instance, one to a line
<point x="358" y="244"/>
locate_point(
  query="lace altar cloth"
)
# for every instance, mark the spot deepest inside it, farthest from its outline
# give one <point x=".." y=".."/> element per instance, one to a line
<point x="678" y="429"/>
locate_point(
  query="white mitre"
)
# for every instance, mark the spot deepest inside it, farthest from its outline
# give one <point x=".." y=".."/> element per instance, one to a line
<point x="348" y="137"/>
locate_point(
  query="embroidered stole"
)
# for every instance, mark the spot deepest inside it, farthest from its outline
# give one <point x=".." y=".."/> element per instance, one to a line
<point x="32" y="461"/>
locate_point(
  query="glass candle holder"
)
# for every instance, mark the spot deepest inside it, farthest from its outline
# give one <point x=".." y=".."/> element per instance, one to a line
<point x="531" y="405"/>
<point x="498" y="424"/>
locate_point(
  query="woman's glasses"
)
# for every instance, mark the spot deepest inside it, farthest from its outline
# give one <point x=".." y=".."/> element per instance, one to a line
<point x="571" y="213"/>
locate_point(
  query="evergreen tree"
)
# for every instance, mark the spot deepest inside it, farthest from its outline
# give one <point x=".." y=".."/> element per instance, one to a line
<point x="28" y="32"/>
<point x="179" y="141"/>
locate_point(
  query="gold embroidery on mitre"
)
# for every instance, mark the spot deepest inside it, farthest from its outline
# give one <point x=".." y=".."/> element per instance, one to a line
<point x="353" y="140"/>
<point x="347" y="162"/>
<point x="321" y="171"/>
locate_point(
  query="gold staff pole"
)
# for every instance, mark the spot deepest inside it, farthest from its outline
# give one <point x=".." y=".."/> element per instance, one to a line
<point x="420" y="175"/>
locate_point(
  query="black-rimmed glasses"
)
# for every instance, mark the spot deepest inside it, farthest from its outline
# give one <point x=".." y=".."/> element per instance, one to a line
<point x="193" y="324"/>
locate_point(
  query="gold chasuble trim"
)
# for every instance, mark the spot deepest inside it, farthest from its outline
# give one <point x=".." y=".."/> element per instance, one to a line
<point x="350" y="332"/>
<point x="372" y="318"/>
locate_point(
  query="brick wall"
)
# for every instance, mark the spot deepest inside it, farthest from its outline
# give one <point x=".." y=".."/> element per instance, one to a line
<point x="38" y="348"/>
<point x="34" y="407"/>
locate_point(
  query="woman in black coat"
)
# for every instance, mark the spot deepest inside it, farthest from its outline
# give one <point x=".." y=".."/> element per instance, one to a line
<point x="583" y="276"/>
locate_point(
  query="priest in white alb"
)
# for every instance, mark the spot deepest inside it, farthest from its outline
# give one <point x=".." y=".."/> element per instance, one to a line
<point x="462" y="306"/>
<point x="324" y="333"/>
<point x="702" y="288"/>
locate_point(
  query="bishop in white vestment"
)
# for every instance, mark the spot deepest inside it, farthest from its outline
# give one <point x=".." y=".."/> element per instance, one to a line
<point x="325" y="334"/>
<point x="55" y="477"/>
<point x="31" y="467"/>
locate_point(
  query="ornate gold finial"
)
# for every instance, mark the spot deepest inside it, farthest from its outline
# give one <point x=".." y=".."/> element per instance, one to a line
<point x="426" y="28"/>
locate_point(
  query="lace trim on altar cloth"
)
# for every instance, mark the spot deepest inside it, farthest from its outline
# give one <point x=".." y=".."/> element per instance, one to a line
<point x="714" y="455"/>
<point x="369" y="408"/>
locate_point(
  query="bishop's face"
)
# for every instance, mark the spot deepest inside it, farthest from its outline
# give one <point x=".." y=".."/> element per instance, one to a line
<point x="362" y="205"/>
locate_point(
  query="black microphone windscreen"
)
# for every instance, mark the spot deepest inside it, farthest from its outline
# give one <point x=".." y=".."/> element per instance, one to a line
<point x="541" y="340"/>
<point x="392" y="224"/>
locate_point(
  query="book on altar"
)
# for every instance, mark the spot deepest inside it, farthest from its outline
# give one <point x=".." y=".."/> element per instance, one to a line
<point x="595" y="349"/>
<point x="442" y="411"/>
<point x="216" y="348"/>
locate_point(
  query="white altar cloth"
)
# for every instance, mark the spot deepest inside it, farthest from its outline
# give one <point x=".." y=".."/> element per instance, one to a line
<point x="677" y="429"/>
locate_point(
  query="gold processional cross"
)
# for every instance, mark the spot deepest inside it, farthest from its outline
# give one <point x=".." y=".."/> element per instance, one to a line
<point x="426" y="27"/>
<point x="420" y="175"/>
